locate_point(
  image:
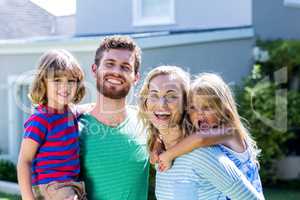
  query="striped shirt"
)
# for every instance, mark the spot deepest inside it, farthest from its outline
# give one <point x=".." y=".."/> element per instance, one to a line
<point x="246" y="164"/>
<point x="57" y="158"/>
<point x="204" y="174"/>
<point x="115" y="163"/>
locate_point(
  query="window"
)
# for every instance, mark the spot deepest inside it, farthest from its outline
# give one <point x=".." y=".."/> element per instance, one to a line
<point x="292" y="3"/>
<point x="19" y="109"/>
<point x="153" y="12"/>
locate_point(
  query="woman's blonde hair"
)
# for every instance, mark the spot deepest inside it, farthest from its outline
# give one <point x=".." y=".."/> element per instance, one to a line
<point x="221" y="99"/>
<point x="56" y="63"/>
<point x="178" y="73"/>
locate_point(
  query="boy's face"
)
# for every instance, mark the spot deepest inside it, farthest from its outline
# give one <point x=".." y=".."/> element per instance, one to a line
<point x="201" y="113"/>
<point x="61" y="91"/>
<point x="115" y="74"/>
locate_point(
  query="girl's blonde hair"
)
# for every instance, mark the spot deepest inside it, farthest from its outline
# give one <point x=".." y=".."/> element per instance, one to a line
<point x="56" y="63"/>
<point x="222" y="101"/>
<point x="178" y="73"/>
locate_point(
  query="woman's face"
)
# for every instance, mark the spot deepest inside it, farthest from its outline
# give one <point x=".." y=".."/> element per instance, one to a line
<point x="201" y="113"/>
<point x="164" y="104"/>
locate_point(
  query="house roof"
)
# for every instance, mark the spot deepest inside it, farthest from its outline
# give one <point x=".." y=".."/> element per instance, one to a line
<point x="145" y="40"/>
<point x="23" y="19"/>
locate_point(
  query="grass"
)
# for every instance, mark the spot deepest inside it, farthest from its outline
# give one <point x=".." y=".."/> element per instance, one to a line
<point x="270" y="194"/>
<point x="9" y="197"/>
<point x="281" y="194"/>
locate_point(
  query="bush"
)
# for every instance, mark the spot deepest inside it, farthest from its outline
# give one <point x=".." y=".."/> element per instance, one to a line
<point x="8" y="171"/>
<point x="151" y="195"/>
<point x="257" y="104"/>
<point x="281" y="53"/>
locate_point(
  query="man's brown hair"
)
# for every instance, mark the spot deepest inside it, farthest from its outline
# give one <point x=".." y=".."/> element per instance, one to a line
<point x="119" y="42"/>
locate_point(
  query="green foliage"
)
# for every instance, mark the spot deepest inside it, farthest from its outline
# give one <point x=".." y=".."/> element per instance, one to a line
<point x="282" y="53"/>
<point x="262" y="105"/>
<point x="8" y="171"/>
<point x="293" y="109"/>
<point x="261" y="102"/>
<point x="151" y="195"/>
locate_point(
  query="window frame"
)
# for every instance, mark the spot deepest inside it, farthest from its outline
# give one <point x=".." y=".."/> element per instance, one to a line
<point x="292" y="3"/>
<point x="15" y="82"/>
<point x="138" y="20"/>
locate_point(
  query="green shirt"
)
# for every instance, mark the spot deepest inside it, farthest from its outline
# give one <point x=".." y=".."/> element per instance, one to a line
<point x="114" y="160"/>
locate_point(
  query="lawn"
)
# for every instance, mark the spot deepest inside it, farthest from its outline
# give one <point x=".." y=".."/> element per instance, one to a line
<point x="281" y="194"/>
<point x="270" y="194"/>
<point x="9" y="197"/>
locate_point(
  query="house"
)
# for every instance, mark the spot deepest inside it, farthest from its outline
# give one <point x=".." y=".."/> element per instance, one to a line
<point x="35" y="18"/>
<point x="206" y="35"/>
<point x="276" y="19"/>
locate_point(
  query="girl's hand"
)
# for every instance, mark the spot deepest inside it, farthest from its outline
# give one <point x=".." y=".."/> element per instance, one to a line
<point x="154" y="157"/>
<point x="165" y="162"/>
<point x="157" y="149"/>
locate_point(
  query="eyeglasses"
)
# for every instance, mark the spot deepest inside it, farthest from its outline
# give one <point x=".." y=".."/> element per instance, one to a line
<point x="169" y="98"/>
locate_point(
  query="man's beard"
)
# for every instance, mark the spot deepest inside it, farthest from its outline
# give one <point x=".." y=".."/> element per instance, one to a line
<point x="112" y="91"/>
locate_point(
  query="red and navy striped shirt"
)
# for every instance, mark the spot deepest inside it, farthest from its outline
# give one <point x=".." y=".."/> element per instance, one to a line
<point x="57" y="158"/>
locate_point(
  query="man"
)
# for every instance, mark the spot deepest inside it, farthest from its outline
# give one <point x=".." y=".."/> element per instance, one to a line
<point x="113" y="144"/>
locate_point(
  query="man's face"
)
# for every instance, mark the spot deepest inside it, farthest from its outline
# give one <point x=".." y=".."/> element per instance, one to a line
<point x="115" y="73"/>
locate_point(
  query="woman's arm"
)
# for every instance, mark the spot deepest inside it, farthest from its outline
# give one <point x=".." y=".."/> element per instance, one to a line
<point x="27" y="152"/>
<point x="194" y="141"/>
<point x="222" y="173"/>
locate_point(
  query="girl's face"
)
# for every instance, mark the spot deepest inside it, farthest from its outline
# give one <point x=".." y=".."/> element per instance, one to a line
<point x="164" y="104"/>
<point x="202" y="115"/>
<point x="61" y="91"/>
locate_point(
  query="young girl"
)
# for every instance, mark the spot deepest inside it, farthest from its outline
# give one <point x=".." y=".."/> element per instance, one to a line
<point x="211" y="107"/>
<point x="48" y="166"/>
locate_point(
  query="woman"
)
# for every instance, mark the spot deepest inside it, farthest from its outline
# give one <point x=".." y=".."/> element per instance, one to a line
<point x="206" y="173"/>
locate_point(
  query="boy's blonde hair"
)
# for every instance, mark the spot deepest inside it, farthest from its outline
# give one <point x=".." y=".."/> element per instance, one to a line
<point x="221" y="100"/>
<point x="56" y="63"/>
<point x="178" y="73"/>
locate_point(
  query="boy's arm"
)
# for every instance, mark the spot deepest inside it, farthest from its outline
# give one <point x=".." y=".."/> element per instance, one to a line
<point x="27" y="153"/>
<point x="194" y="141"/>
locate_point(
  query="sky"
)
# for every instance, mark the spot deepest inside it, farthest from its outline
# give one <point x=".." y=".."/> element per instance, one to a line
<point x="57" y="7"/>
